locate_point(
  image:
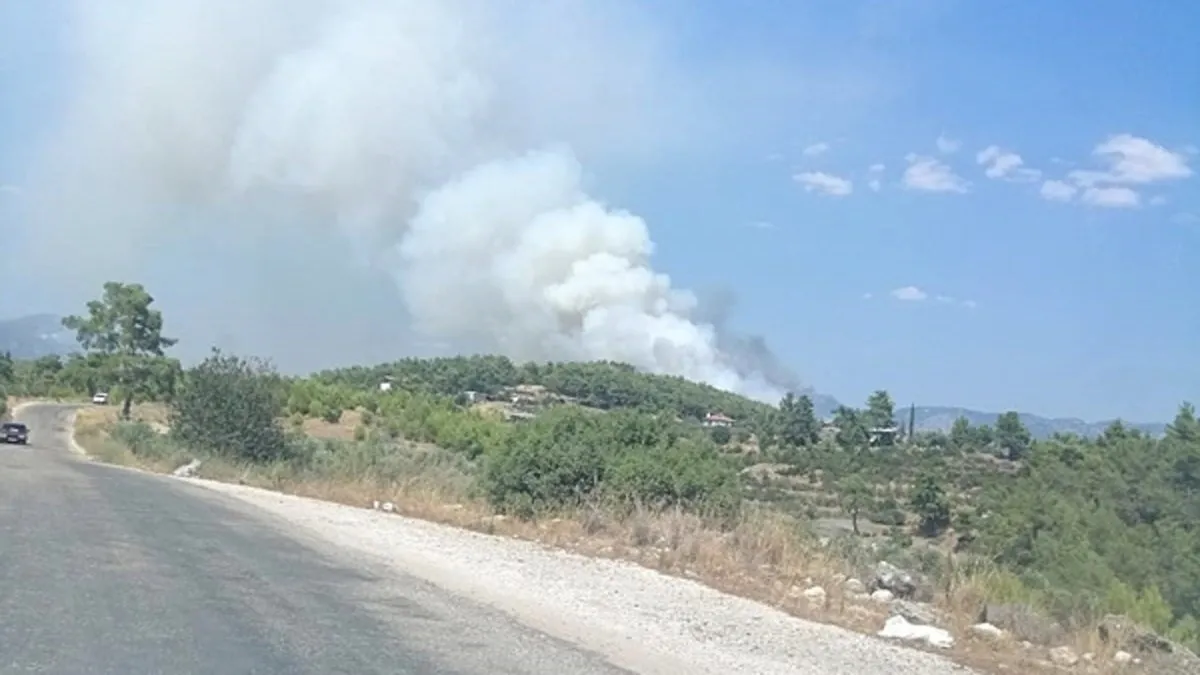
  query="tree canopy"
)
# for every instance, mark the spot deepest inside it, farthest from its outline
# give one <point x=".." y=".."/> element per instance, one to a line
<point x="123" y="336"/>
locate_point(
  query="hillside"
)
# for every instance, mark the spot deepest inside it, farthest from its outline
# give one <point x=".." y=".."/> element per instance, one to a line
<point x="615" y="385"/>
<point x="35" y="335"/>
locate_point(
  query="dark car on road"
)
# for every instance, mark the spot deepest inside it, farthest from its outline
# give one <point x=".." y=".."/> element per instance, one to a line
<point x="14" y="432"/>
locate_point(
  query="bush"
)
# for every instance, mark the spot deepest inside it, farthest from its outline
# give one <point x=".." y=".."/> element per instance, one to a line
<point x="721" y="435"/>
<point x="889" y="517"/>
<point x="229" y="406"/>
<point x="684" y="475"/>
<point x="332" y="414"/>
<point x="932" y="505"/>
<point x="142" y="440"/>
<point x="568" y="455"/>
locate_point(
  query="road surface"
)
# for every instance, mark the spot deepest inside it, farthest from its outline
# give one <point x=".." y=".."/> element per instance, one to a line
<point x="104" y="570"/>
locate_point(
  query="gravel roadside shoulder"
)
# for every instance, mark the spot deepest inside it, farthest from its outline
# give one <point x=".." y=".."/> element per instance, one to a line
<point x="644" y="621"/>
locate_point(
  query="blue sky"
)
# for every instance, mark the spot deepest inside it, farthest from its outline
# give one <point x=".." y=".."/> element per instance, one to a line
<point x="1030" y="241"/>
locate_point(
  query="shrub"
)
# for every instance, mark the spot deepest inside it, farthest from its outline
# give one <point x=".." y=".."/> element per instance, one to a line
<point x="142" y="440"/>
<point x="889" y="517"/>
<point x="332" y="414"/>
<point x="721" y="435"/>
<point x="567" y="455"/>
<point x="230" y="406"/>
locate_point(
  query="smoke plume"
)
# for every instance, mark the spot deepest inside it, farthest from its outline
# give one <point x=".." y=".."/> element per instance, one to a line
<point x="264" y="146"/>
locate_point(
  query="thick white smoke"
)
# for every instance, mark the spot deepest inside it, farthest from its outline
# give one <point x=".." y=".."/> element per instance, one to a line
<point x="442" y="138"/>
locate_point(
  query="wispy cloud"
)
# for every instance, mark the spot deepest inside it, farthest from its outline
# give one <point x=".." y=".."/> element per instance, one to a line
<point x="1058" y="191"/>
<point x="1185" y="218"/>
<point x="1111" y="197"/>
<point x="930" y="175"/>
<point x="951" y="300"/>
<point x="947" y="145"/>
<point x="918" y="294"/>
<point x="1127" y="160"/>
<point x="819" y="181"/>
<point x="873" y="177"/>
<point x="1006" y="165"/>
<point x="815" y="149"/>
<point x="1132" y="160"/>
<point x="909" y="294"/>
<point x="9" y="189"/>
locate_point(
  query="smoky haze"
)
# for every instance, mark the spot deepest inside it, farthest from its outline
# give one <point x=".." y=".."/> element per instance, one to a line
<point x="330" y="182"/>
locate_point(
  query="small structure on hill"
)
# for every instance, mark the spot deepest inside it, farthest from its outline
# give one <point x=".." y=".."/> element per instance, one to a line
<point x="716" y="419"/>
<point x="883" y="435"/>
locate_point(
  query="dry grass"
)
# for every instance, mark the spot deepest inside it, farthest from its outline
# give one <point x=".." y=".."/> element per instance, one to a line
<point x="766" y="556"/>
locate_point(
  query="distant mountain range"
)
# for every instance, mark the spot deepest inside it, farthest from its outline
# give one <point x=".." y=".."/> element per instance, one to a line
<point x="34" y="336"/>
<point x="37" y="335"/>
<point x="940" y="418"/>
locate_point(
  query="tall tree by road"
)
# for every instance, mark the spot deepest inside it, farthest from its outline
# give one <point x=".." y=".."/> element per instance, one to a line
<point x="122" y="328"/>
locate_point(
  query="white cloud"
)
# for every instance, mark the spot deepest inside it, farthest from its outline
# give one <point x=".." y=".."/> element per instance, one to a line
<point x="1133" y="160"/>
<point x="825" y="183"/>
<point x="1111" y="197"/>
<point x="1005" y="164"/>
<point x="761" y="225"/>
<point x="1185" y="218"/>
<point x="875" y="185"/>
<point x="867" y="296"/>
<point x="1158" y="200"/>
<point x="930" y="175"/>
<point x="876" y="168"/>
<point x="1058" y="191"/>
<point x="9" y="189"/>
<point x="775" y="157"/>
<point x="947" y="145"/>
<point x="816" y="149"/>
<point x="918" y="294"/>
<point x="909" y="294"/>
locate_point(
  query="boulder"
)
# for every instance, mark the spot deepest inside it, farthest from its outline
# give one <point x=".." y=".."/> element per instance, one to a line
<point x="1024" y="622"/>
<point x="902" y="584"/>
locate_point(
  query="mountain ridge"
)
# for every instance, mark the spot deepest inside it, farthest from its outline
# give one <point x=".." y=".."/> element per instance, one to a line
<point x="37" y="335"/>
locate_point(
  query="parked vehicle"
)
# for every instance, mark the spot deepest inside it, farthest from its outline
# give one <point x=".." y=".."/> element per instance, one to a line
<point x="100" y="398"/>
<point x="14" y="432"/>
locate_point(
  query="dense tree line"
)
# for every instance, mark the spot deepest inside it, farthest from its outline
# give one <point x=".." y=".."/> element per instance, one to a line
<point x="1089" y="525"/>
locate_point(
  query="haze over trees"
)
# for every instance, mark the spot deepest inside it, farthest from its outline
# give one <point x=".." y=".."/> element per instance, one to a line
<point x="1080" y="526"/>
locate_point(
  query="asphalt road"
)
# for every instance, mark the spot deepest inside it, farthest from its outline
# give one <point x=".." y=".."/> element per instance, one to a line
<point x="104" y="570"/>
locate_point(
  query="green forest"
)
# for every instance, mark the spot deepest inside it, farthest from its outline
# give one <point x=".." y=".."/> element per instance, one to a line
<point x="1088" y="526"/>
